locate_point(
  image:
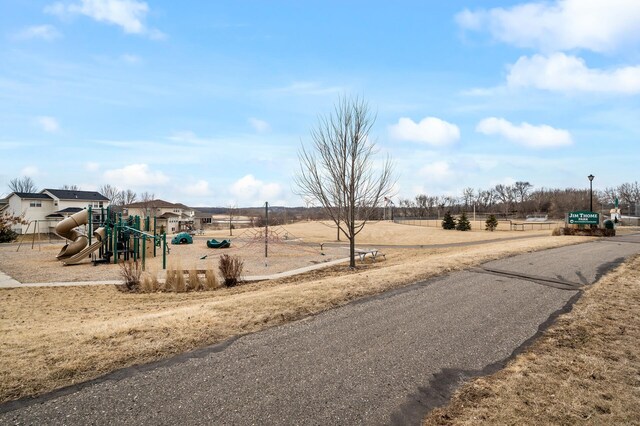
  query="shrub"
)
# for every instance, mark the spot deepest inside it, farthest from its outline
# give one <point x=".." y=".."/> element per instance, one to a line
<point x="175" y="280"/>
<point x="6" y="221"/>
<point x="463" y="223"/>
<point x="211" y="280"/>
<point x="130" y="272"/>
<point x="231" y="269"/>
<point x="448" y="222"/>
<point x="194" y="280"/>
<point x="491" y="223"/>
<point x="149" y="283"/>
<point x="585" y="232"/>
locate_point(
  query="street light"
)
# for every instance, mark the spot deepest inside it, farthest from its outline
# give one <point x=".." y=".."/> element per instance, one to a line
<point x="590" y="192"/>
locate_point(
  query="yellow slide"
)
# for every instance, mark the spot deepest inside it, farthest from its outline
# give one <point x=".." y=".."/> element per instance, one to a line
<point x="86" y="252"/>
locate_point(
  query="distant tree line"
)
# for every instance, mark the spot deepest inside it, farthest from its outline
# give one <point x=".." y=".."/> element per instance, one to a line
<point x="519" y="200"/>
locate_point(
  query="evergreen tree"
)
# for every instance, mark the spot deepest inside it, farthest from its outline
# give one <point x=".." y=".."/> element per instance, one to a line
<point x="463" y="223"/>
<point x="448" y="222"/>
<point x="491" y="223"/>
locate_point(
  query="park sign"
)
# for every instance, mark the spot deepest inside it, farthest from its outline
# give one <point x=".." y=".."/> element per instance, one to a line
<point x="583" y="217"/>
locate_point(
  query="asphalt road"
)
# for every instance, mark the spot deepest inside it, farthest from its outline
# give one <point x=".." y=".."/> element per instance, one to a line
<point x="382" y="360"/>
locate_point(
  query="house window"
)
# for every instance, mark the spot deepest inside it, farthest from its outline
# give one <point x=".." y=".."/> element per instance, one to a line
<point x="95" y="205"/>
<point x="100" y="204"/>
<point x="35" y="204"/>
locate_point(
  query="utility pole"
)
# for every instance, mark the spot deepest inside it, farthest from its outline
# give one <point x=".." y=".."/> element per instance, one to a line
<point x="266" y="229"/>
<point x="590" y="177"/>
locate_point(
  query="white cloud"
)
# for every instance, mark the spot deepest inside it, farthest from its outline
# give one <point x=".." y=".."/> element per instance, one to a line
<point x="559" y="72"/>
<point x="249" y="190"/>
<point x="430" y="130"/>
<point x="42" y="32"/>
<point x="127" y="14"/>
<point x="438" y="171"/>
<point x="91" y="166"/>
<point x="597" y="25"/>
<point x="135" y="175"/>
<point x="542" y="136"/>
<point x="48" y="124"/>
<point x="31" y="171"/>
<point x="198" y="189"/>
<point x="259" y="126"/>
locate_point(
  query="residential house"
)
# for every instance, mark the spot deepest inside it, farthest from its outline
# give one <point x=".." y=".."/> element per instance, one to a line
<point x="171" y="217"/>
<point x="43" y="210"/>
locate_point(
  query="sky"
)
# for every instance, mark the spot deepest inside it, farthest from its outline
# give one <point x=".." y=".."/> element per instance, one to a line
<point x="208" y="103"/>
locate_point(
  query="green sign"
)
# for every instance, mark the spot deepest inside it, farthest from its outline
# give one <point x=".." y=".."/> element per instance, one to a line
<point x="583" y="217"/>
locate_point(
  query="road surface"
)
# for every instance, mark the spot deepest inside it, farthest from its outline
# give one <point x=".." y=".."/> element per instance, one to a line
<point x="381" y="360"/>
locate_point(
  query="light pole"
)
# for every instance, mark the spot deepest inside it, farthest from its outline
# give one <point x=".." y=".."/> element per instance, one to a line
<point x="590" y="192"/>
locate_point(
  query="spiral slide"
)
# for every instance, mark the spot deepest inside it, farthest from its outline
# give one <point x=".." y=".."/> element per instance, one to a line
<point x="77" y="249"/>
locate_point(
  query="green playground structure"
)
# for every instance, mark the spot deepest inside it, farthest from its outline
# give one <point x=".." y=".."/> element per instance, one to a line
<point x="114" y="236"/>
<point x="182" y="238"/>
<point x="213" y="243"/>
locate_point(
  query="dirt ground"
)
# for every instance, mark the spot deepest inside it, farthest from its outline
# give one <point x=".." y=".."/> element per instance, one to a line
<point x="290" y="247"/>
<point x="52" y="337"/>
<point x="585" y="369"/>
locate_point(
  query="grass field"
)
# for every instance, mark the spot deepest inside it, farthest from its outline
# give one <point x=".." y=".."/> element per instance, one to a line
<point x="585" y="369"/>
<point x="54" y="337"/>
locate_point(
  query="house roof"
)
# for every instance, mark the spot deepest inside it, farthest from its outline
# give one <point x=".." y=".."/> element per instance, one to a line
<point x="168" y="215"/>
<point x="30" y="195"/>
<point x="153" y="203"/>
<point x="70" y="210"/>
<point x="65" y="194"/>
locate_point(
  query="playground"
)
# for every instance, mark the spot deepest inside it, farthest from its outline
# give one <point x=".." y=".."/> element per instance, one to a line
<point x="286" y="247"/>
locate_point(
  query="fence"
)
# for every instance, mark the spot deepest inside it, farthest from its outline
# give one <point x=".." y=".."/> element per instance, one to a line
<point x="503" y="225"/>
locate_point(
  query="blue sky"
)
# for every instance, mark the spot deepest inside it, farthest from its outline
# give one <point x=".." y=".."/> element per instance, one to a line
<point x="207" y="103"/>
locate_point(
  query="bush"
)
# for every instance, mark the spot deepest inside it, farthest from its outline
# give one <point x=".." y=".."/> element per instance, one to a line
<point x="231" y="269"/>
<point x="585" y="232"/>
<point x="131" y="272"/>
<point x="491" y="223"/>
<point x="211" y="280"/>
<point x="6" y="221"/>
<point x="463" y="223"/>
<point x="448" y="222"/>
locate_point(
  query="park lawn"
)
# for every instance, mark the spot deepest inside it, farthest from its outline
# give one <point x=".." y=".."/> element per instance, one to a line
<point x="584" y="369"/>
<point x="57" y="336"/>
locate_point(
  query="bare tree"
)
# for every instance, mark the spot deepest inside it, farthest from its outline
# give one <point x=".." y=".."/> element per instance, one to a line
<point x="148" y="202"/>
<point x="23" y="184"/>
<point x="339" y="172"/>
<point x="70" y="187"/>
<point x="128" y="197"/>
<point x="630" y="194"/>
<point x="468" y="196"/>
<point x="112" y="193"/>
<point x="506" y="195"/>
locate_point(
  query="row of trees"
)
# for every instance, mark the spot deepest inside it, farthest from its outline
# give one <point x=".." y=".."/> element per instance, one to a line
<point x="521" y="199"/>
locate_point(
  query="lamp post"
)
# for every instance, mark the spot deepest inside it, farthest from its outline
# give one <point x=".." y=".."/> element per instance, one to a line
<point x="590" y="192"/>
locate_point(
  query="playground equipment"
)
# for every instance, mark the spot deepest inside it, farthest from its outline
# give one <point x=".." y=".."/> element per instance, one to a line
<point x="77" y="249"/>
<point x="114" y="237"/>
<point x="182" y="238"/>
<point x="213" y="243"/>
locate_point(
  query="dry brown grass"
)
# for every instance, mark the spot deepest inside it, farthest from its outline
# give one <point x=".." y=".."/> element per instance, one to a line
<point x="57" y="336"/>
<point x="584" y="369"/>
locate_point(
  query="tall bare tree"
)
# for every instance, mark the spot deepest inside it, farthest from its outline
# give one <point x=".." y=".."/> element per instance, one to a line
<point x="340" y="171"/>
<point x="23" y="184"/>
<point x="128" y="196"/>
<point x="112" y="193"/>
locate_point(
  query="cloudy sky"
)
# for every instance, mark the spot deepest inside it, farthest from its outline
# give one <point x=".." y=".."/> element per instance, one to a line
<point x="207" y="103"/>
